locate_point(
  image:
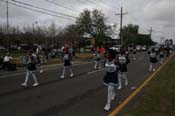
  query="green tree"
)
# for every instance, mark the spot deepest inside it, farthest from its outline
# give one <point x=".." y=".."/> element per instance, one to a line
<point x="131" y="36"/>
<point x="93" y="23"/>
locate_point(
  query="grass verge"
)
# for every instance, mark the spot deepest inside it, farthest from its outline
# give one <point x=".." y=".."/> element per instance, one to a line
<point x="158" y="97"/>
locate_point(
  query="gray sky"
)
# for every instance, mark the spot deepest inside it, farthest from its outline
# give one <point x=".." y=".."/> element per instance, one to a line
<point x="159" y="14"/>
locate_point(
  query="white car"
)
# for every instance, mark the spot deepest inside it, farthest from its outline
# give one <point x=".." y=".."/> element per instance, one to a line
<point x="138" y="48"/>
<point x="143" y="48"/>
<point x="116" y="48"/>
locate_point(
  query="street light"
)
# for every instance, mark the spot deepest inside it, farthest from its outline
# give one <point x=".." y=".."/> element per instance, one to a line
<point x="33" y="32"/>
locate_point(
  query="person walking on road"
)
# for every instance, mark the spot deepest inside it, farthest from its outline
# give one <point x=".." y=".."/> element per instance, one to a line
<point x="123" y="62"/>
<point x="67" y="64"/>
<point x="111" y="78"/>
<point x="153" y="60"/>
<point x="31" y="69"/>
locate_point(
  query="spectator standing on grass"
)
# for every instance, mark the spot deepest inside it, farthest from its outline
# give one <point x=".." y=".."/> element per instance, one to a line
<point x="38" y="50"/>
<point x="31" y="69"/>
<point x="102" y="50"/>
<point x="67" y="65"/>
<point x="111" y="78"/>
<point x="6" y="63"/>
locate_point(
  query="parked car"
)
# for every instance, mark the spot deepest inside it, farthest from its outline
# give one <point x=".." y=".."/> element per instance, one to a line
<point x="2" y="48"/>
<point x="138" y="48"/>
<point x="116" y="48"/>
<point x="13" y="47"/>
<point x="143" y="48"/>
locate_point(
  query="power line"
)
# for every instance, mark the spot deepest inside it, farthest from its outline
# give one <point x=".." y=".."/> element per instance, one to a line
<point x="37" y="10"/>
<point x="91" y="2"/>
<point x="63" y="6"/>
<point x="44" y="9"/>
<point x="106" y="6"/>
<point x="85" y="3"/>
<point x="94" y="3"/>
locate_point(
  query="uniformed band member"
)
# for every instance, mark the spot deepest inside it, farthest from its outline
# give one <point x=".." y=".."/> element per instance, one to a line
<point x="123" y="62"/>
<point x="153" y="60"/>
<point x="67" y="64"/>
<point x="161" y="53"/>
<point x="31" y="69"/>
<point x="111" y="78"/>
<point x="167" y="48"/>
<point x="97" y="60"/>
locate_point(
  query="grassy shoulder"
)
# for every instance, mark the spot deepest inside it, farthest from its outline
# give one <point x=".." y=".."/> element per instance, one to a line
<point x="158" y="98"/>
<point x="16" y="55"/>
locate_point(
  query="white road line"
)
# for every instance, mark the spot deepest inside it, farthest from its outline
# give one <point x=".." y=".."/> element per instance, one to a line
<point x="21" y="73"/>
<point x="95" y="71"/>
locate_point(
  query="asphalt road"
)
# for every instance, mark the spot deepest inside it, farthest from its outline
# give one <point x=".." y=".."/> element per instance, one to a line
<point x="82" y="95"/>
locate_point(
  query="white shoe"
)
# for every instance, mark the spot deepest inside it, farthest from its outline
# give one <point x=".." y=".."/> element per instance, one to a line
<point x="71" y="75"/>
<point x="107" y="107"/>
<point x="35" y="84"/>
<point x="119" y="87"/>
<point x="24" y="84"/>
<point x="99" y="67"/>
<point x="95" y="67"/>
<point x="62" y="76"/>
<point x="41" y="71"/>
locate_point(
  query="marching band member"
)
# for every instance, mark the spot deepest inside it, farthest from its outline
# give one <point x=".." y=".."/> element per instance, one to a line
<point x="153" y="60"/>
<point x="110" y="79"/>
<point x="31" y="69"/>
<point x="97" y="60"/>
<point x="123" y="62"/>
<point x="67" y="64"/>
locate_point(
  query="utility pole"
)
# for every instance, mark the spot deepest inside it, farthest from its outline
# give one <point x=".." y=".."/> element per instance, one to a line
<point x="121" y="24"/>
<point x="7" y="14"/>
<point x="151" y="30"/>
<point x="7" y="43"/>
<point x="33" y="25"/>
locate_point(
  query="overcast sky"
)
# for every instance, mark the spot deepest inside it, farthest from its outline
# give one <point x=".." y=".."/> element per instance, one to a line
<point x="159" y="14"/>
